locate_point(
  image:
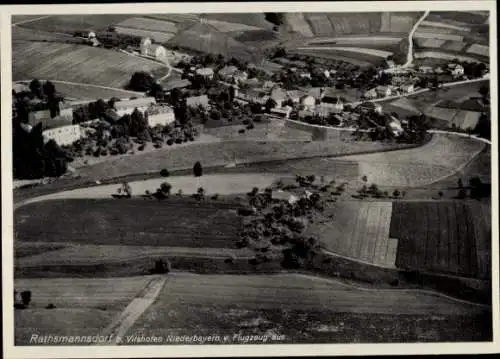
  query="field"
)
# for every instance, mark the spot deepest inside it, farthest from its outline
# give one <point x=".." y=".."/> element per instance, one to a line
<point x="156" y="36"/>
<point x="362" y="61"/>
<point x="442" y="25"/>
<point x="222" y="153"/>
<point x="149" y="24"/>
<point x="257" y="20"/>
<point x="479" y="50"/>
<point x="130" y="222"/>
<point x="447" y="237"/>
<point x="398" y="22"/>
<point x="83" y="307"/>
<point x="206" y="39"/>
<point x="74" y="63"/>
<point x="360" y="41"/>
<point x="357" y="230"/>
<point x="20" y="33"/>
<point x="72" y="23"/>
<point x="297" y="23"/>
<point x="354" y="50"/>
<point x="441" y="157"/>
<point x="321" y="311"/>
<point x="90" y="92"/>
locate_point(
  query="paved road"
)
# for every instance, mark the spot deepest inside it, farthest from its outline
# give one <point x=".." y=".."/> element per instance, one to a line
<point x="409" y="57"/>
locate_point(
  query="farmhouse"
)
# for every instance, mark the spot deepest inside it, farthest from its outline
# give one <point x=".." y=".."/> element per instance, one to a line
<point x="128" y="106"/>
<point x="308" y="101"/>
<point x="156" y="51"/>
<point x="278" y="95"/>
<point x="294" y="96"/>
<point x="196" y="101"/>
<point x="456" y="69"/>
<point x="370" y="107"/>
<point x="227" y="73"/>
<point x="64" y="135"/>
<point x="384" y="91"/>
<point x="328" y="95"/>
<point x="408" y="88"/>
<point x="283" y="112"/>
<point x="160" y="115"/>
<point x="206" y="72"/>
<point x="426" y="69"/>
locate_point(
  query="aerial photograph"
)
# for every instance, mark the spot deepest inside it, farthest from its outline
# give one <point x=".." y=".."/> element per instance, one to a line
<point x="252" y="178"/>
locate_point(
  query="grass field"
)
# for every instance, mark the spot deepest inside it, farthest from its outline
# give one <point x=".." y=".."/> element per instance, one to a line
<point x="447" y="237"/>
<point x="156" y="36"/>
<point x="354" y="50"/>
<point x="74" y="63"/>
<point x="83" y="306"/>
<point x="324" y="310"/>
<point x="20" y="33"/>
<point x="441" y="157"/>
<point x="222" y="153"/>
<point x="362" y="61"/>
<point x="91" y="93"/>
<point x="71" y="23"/>
<point x="357" y="230"/>
<point x="130" y="222"/>
<point x="250" y="19"/>
<point x="207" y="39"/>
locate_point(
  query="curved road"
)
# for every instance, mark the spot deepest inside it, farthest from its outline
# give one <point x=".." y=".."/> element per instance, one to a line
<point x="409" y="57"/>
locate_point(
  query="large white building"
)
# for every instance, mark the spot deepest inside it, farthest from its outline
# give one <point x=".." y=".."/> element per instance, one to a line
<point x="160" y="115"/>
<point x="124" y="107"/>
<point x="153" y="50"/>
<point x="206" y="72"/>
<point x="64" y="135"/>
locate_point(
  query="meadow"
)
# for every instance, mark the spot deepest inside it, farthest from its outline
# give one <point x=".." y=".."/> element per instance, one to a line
<point x="71" y="23"/>
<point x="130" y="222"/>
<point x="446" y="237"/>
<point x="75" y="63"/>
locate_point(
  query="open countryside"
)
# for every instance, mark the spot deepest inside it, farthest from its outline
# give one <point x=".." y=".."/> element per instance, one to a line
<point x="313" y="177"/>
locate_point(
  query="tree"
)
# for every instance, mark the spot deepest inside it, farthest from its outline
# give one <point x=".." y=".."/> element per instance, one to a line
<point x="270" y="104"/>
<point x="364" y="179"/>
<point x="484" y="91"/>
<point x="396" y="193"/>
<point x="141" y="81"/>
<point x="440" y="194"/>
<point x="165" y="188"/>
<point x="26" y="297"/>
<point x="200" y="192"/>
<point x="36" y="88"/>
<point x="460" y="184"/>
<point x="197" y="169"/>
<point x="49" y="89"/>
<point x="462" y="194"/>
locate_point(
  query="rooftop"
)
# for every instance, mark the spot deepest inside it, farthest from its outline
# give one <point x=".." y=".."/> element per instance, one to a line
<point x="138" y="102"/>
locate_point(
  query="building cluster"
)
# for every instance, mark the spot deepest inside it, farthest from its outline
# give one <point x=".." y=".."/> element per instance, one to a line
<point x="61" y="128"/>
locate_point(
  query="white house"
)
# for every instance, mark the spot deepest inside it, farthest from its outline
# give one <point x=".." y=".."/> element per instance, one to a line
<point x="160" y="115"/>
<point x="456" y="69"/>
<point x="124" y="107"/>
<point x="64" y="135"/>
<point x="206" y="72"/>
<point x="227" y="73"/>
<point x="408" y="88"/>
<point x="156" y="51"/>
<point x="308" y="101"/>
<point x="145" y="44"/>
<point x="384" y="91"/>
<point x="395" y="127"/>
<point x="195" y="101"/>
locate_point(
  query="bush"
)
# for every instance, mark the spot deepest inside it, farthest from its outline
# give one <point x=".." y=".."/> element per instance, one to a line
<point x="170" y="142"/>
<point x="26" y="297"/>
<point x="162" y="267"/>
<point x="241" y="131"/>
<point x="164" y="172"/>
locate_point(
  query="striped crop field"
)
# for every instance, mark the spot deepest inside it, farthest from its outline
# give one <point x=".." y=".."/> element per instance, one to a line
<point x="440" y="157"/>
<point x="362" y="60"/>
<point x="437" y="35"/>
<point x="456" y="46"/>
<point x="357" y="40"/>
<point x="156" y="36"/>
<point x="89" y="92"/>
<point x="479" y="50"/>
<point x="446" y="237"/>
<point x="398" y="22"/>
<point x="443" y="25"/>
<point x="359" y="230"/>
<point x="439" y="30"/>
<point x="447" y="56"/>
<point x="20" y="33"/>
<point x="135" y="222"/>
<point x="355" y="50"/>
<point x="225" y="26"/>
<point x="176" y="18"/>
<point x="254" y="20"/>
<point x="344" y="23"/>
<point x="72" y="23"/>
<point x="432" y="43"/>
<point x="149" y="24"/>
<point x="75" y="63"/>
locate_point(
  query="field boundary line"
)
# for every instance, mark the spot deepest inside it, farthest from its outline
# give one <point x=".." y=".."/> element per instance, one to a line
<point x="422" y="291"/>
<point x="31" y="20"/>
<point x="126" y="319"/>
